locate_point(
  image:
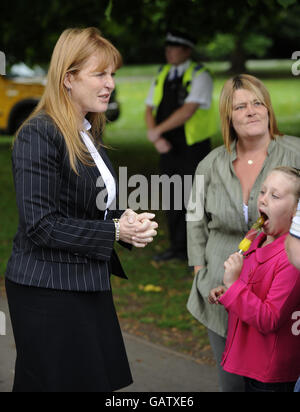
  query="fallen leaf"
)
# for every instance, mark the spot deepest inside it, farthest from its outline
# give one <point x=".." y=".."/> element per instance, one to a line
<point x="151" y="288"/>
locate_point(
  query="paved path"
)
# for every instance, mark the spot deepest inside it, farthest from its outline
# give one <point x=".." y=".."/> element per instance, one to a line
<point x="7" y="352"/>
<point x="154" y="368"/>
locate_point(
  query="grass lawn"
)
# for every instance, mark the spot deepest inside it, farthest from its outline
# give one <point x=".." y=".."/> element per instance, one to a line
<point x="8" y="213"/>
<point x="160" y="316"/>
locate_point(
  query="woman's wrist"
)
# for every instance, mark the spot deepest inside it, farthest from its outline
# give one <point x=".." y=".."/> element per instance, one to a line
<point x="229" y="283"/>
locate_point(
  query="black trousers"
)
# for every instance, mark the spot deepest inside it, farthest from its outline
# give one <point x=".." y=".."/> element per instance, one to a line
<point x="182" y="160"/>
<point x="66" y="341"/>
<point x="251" y="385"/>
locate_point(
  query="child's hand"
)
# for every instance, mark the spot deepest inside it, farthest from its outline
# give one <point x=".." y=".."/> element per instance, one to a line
<point x="215" y="294"/>
<point x="233" y="267"/>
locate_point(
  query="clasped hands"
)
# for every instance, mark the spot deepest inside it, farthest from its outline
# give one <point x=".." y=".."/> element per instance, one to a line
<point x="233" y="268"/>
<point x="161" y="144"/>
<point x="137" y="229"/>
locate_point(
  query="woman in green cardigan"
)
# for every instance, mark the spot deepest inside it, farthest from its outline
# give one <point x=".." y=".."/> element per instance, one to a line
<point x="233" y="175"/>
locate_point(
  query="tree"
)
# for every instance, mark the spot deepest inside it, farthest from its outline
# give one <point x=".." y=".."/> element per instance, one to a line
<point x="138" y="27"/>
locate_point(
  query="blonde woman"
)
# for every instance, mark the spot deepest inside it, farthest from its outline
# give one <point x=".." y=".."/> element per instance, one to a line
<point x="66" y="330"/>
<point x="233" y="175"/>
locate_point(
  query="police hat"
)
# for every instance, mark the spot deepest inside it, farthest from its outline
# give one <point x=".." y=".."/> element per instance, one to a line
<point x="176" y="38"/>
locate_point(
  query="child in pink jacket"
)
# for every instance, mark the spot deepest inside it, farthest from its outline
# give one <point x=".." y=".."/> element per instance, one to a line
<point x="262" y="296"/>
<point x="292" y="247"/>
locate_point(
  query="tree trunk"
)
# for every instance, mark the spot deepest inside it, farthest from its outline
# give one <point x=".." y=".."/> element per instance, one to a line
<point x="238" y="59"/>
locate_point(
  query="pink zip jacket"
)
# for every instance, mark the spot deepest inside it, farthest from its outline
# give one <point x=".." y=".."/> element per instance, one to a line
<point x="261" y="344"/>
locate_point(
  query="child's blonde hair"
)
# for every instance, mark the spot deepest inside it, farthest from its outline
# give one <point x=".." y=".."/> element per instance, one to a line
<point x="292" y="172"/>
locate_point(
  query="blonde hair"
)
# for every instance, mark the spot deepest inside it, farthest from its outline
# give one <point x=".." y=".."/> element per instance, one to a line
<point x="254" y="85"/>
<point x="72" y="50"/>
<point x="294" y="173"/>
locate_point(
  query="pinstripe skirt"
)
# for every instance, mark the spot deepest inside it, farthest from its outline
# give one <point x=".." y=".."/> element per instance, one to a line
<point x="66" y="341"/>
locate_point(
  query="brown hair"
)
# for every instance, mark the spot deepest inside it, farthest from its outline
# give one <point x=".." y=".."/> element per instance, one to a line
<point x="72" y="50"/>
<point x="254" y="85"/>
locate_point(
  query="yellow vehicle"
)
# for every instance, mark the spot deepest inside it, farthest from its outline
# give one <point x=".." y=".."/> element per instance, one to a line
<point x="20" y="95"/>
<point x="18" y="98"/>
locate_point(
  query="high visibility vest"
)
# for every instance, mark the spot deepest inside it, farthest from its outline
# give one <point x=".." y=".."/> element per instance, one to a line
<point x="203" y="124"/>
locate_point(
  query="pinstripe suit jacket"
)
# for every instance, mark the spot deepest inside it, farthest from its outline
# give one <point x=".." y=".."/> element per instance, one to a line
<point x="62" y="241"/>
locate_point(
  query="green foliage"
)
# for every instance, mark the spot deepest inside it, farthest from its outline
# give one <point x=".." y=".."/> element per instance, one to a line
<point x="282" y="3"/>
<point x="220" y="48"/>
<point x="29" y="31"/>
<point x="257" y="45"/>
<point x="108" y="10"/>
<point x="286" y="3"/>
<point x="223" y="45"/>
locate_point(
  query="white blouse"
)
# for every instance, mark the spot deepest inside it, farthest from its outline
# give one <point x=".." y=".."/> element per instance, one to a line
<point x="108" y="178"/>
<point x="246" y="213"/>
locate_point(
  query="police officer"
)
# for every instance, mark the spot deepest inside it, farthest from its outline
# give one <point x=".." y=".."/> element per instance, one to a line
<point x="180" y="119"/>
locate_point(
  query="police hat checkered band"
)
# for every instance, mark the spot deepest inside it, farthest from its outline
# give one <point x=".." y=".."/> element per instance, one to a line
<point x="179" y="40"/>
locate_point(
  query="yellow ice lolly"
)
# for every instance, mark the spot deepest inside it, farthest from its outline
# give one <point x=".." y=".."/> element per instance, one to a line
<point x="245" y="244"/>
